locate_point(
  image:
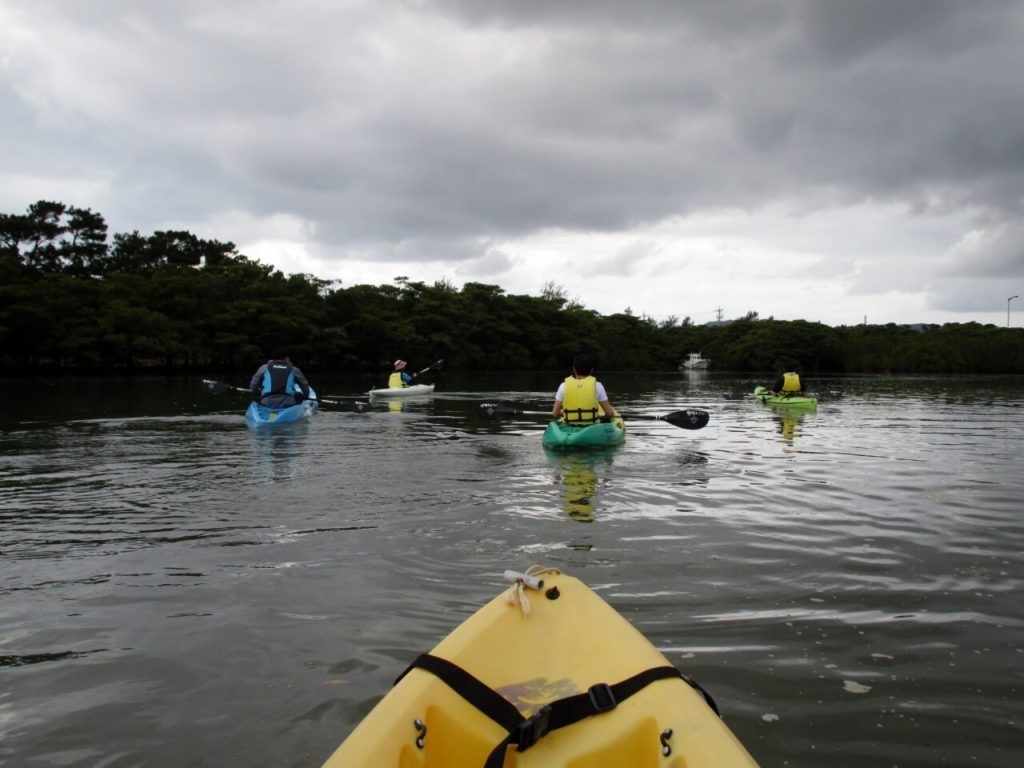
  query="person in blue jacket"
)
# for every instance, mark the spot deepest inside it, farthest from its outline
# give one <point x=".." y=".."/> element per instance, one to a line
<point x="278" y="384"/>
<point x="400" y="377"/>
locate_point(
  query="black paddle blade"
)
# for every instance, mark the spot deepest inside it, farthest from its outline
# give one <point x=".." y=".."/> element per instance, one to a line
<point x="691" y="418"/>
<point x="352" y="406"/>
<point x="828" y="394"/>
<point x="734" y="395"/>
<point x="496" y="412"/>
<point x="216" y="387"/>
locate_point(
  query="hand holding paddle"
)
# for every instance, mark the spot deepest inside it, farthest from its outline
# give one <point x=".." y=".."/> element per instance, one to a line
<point x="691" y="418"/>
<point x="353" y="406"/>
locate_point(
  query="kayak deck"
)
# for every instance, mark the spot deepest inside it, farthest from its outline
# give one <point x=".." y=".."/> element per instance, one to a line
<point x="260" y="416"/>
<point x="410" y="391"/>
<point x="792" y="401"/>
<point x="603" y="434"/>
<point x="570" y="643"/>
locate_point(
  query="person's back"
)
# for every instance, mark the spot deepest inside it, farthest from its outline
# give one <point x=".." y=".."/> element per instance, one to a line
<point x="788" y="384"/>
<point x="279" y="384"/>
<point x="581" y="397"/>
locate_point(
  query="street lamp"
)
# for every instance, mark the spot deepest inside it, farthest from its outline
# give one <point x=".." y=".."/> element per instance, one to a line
<point x="1008" y="309"/>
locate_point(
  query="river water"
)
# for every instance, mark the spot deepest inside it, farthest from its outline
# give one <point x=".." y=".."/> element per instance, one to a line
<point x="177" y="590"/>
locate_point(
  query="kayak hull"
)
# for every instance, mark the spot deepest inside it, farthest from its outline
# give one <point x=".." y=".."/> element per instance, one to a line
<point x="794" y="401"/>
<point x="410" y="391"/>
<point x="258" y="416"/>
<point x="600" y="435"/>
<point x="564" y="646"/>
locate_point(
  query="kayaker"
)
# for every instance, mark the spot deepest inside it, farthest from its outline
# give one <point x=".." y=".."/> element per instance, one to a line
<point x="581" y="397"/>
<point x="400" y="377"/>
<point x="278" y="384"/>
<point x="789" y="383"/>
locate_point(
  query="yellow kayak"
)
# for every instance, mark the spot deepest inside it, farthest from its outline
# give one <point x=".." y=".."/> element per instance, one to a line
<point x="544" y="675"/>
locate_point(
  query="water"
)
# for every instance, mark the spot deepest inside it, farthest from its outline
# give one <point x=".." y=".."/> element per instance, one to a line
<point x="177" y="590"/>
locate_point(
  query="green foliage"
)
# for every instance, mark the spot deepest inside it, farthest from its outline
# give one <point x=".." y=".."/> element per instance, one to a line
<point x="68" y="299"/>
<point x="52" y="237"/>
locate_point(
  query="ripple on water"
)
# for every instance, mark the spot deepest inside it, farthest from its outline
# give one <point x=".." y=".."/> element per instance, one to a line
<point x="844" y="583"/>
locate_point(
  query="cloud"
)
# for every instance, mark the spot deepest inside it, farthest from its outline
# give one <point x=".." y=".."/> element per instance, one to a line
<point x="488" y="267"/>
<point x="864" y="151"/>
<point x="996" y="251"/>
<point x="627" y="260"/>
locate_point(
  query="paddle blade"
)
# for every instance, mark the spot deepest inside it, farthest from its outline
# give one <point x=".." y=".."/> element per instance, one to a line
<point x="691" y="418"/>
<point x="216" y="387"/>
<point x="495" y="412"/>
<point x="827" y="394"/>
<point x="351" y="406"/>
<point x="432" y="367"/>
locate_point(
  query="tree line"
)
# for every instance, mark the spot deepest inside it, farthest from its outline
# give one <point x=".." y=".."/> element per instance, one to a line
<point x="72" y="298"/>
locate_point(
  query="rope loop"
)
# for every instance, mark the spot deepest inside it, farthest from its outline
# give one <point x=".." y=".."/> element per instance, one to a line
<point x="530" y="579"/>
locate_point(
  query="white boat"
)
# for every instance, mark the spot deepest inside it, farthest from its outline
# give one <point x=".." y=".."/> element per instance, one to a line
<point x="411" y="391"/>
<point x="695" y="362"/>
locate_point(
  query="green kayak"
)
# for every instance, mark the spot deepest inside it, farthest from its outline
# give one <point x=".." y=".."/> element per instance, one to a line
<point x="791" y="401"/>
<point x="599" y="435"/>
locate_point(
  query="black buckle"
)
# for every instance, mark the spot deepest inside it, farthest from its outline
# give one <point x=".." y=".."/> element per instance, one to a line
<point x="530" y="730"/>
<point x="580" y="416"/>
<point x="602" y="698"/>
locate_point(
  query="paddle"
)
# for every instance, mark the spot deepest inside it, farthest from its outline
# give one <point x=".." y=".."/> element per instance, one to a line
<point x="432" y="367"/>
<point x="827" y="394"/>
<point x="824" y="394"/>
<point x="354" y="406"/>
<point x="691" y="418"/>
<point x="780" y="397"/>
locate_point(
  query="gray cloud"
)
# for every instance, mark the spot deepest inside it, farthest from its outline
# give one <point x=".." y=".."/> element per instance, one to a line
<point x="992" y="252"/>
<point x="419" y="130"/>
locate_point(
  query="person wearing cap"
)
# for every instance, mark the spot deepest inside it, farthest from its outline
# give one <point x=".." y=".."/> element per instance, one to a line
<point x="399" y="377"/>
<point x="279" y="384"/>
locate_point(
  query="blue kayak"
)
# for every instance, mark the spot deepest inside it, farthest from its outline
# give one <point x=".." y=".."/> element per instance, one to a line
<point x="261" y="416"/>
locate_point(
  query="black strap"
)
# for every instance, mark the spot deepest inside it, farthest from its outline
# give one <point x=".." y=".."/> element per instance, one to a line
<point x="602" y="697"/>
<point x="599" y="698"/>
<point x="589" y="418"/>
<point x="524" y="732"/>
<point x="481" y="696"/>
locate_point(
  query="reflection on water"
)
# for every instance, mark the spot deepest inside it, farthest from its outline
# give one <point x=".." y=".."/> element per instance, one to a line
<point x="787" y="423"/>
<point x="179" y="590"/>
<point x="276" y="450"/>
<point x="577" y="474"/>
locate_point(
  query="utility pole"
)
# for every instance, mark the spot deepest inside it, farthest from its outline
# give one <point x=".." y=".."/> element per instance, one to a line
<point x="1008" y="310"/>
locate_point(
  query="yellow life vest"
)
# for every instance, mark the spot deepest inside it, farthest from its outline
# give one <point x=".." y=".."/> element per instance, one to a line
<point x="791" y="382"/>
<point x="395" y="380"/>
<point x="579" y="405"/>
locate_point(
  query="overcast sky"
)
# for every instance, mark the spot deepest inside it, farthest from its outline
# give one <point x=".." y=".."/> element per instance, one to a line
<point x="828" y="161"/>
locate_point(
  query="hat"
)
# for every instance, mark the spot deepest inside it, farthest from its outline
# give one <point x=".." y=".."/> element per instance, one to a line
<point x="399" y="365"/>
